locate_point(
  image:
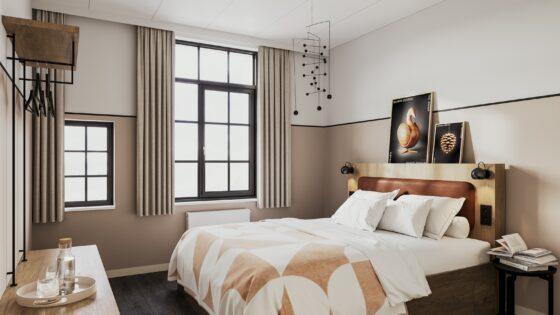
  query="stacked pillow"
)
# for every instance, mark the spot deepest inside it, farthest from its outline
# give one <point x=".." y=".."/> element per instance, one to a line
<point x="413" y="215"/>
<point x="363" y="209"/>
<point x="406" y="217"/>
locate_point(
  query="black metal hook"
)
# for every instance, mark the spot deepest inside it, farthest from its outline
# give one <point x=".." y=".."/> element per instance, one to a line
<point x="49" y="96"/>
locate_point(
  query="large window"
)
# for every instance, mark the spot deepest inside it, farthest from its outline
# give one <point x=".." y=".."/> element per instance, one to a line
<point x="214" y="122"/>
<point x="88" y="163"/>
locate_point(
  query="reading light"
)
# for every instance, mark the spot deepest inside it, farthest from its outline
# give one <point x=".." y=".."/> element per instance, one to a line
<point x="480" y="172"/>
<point x="347" y="168"/>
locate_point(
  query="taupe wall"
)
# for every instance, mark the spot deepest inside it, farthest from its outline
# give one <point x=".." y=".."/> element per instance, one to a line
<point x="522" y="135"/>
<point x="105" y="80"/>
<point x="19" y="8"/>
<point x="126" y="240"/>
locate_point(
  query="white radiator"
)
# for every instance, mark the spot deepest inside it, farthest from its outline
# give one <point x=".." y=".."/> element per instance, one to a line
<point x="204" y="218"/>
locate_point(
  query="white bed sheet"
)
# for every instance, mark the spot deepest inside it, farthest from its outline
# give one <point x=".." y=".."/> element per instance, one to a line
<point x="438" y="256"/>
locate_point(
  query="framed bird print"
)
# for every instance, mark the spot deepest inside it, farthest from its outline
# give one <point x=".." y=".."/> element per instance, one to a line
<point x="411" y="128"/>
<point x="448" y="143"/>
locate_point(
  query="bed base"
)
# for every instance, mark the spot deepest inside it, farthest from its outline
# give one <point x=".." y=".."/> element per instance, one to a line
<point x="470" y="291"/>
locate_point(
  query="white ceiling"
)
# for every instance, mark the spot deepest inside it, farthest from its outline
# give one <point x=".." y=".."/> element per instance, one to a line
<point x="274" y="20"/>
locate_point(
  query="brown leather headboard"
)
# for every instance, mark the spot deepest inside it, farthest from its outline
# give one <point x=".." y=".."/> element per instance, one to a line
<point x="443" y="188"/>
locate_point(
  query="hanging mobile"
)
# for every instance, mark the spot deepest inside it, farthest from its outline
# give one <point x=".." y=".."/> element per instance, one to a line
<point x="314" y="53"/>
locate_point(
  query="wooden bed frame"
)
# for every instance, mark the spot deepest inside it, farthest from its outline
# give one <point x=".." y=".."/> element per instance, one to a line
<point x="471" y="290"/>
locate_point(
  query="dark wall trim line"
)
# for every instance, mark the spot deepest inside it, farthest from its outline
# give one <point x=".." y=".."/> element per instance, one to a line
<point x="91" y="114"/>
<point x="375" y="119"/>
<point x="358" y="122"/>
<point x="498" y="103"/>
<point x="308" y="126"/>
<point x="456" y="108"/>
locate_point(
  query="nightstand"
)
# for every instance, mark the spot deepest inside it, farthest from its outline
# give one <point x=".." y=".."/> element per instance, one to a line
<point x="507" y="277"/>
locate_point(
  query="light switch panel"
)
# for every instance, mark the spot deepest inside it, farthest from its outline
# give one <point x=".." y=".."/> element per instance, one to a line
<point x="486" y="215"/>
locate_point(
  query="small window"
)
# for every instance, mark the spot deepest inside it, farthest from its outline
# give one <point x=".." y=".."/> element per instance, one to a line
<point x="215" y="128"/>
<point x="88" y="163"/>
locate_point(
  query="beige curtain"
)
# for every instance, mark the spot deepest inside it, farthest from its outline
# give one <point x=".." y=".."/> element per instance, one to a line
<point x="274" y="128"/>
<point x="48" y="148"/>
<point x="155" y="122"/>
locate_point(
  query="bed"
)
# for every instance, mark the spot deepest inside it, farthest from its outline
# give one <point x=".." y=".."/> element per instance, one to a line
<point x="290" y="266"/>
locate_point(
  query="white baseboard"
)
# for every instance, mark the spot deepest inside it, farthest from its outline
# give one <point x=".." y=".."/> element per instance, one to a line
<point x="521" y="310"/>
<point x="136" y="270"/>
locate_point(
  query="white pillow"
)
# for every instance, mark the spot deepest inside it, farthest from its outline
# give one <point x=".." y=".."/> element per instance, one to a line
<point x="459" y="228"/>
<point x="363" y="214"/>
<point x="406" y="217"/>
<point x="375" y="213"/>
<point x="367" y="194"/>
<point x="442" y="212"/>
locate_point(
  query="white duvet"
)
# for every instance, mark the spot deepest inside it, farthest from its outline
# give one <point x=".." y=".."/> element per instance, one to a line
<point x="203" y="256"/>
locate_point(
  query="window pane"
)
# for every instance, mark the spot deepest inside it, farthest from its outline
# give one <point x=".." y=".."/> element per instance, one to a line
<point x="74" y="189"/>
<point x="186" y="141"/>
<point x="74" y="163"/>
<point x="216" y="142"/>
<point x="215" y="106"/>
<point x="97" y="188"/>
<point x="74" y="138"/>
<point x="186" y="180"/>
<point x="186" y="101"/>
<point x="239" y="108"/>
<point x="186" y="62"/>
<point x="97" y="163"/>
<point x="213" y="65"/>
<point x="239" y="176"/>
<point x="97" y="138"/>
<point x="216" y="177"/>
<point x="239" y="143"/>
<point x="241" y="68"/>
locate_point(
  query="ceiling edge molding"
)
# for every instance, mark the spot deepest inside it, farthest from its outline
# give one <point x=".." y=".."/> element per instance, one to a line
<point x="181" y="31"/>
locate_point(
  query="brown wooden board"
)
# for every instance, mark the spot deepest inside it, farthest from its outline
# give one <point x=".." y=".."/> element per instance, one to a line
<point x="51" y="43"/>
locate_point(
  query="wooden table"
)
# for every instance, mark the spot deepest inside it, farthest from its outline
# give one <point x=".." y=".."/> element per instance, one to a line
<point x="88" y="263"/>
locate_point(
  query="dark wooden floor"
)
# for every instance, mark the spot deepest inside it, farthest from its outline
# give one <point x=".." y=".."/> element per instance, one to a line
<point x="151" y="294"/>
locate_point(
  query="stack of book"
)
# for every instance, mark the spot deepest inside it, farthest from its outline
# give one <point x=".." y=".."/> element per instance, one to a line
<point x="513" y="252"/>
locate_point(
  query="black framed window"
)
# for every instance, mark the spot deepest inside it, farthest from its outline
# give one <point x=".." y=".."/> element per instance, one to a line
<point x="88" y="163"/>
<point x="215" y="91"/>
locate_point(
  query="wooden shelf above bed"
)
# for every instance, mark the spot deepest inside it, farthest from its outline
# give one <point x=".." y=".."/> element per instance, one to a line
<point x="46" y="42"/>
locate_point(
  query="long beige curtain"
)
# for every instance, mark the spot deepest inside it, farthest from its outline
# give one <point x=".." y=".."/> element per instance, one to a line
<point x="274" y="128"/>
<point x="155" y="122"/>
<point x="48" y="148"/>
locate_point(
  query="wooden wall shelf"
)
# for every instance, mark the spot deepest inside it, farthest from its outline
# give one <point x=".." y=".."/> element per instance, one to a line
<point x="49" y="43"/>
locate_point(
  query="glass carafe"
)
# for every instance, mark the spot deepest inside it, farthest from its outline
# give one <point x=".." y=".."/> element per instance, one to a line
<point x="66" y="264"/>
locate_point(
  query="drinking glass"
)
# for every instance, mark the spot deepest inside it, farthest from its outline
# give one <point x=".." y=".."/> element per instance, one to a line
<point x="47" y="284"/>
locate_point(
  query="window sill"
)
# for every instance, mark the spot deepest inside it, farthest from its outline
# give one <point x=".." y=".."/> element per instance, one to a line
<point x="92" y="208"/>
<point x="213" y="202"/>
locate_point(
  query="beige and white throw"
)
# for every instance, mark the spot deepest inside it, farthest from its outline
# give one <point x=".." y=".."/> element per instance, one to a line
<point x="291" y="266"/>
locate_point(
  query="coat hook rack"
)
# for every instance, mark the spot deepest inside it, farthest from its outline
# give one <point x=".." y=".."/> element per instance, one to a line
<point x="41" y="46"/>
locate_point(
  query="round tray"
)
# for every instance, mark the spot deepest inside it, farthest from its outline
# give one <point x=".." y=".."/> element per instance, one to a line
<point x="27" y="295"/>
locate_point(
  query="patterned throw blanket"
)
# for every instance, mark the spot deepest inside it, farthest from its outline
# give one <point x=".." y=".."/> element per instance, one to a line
<point x="278" y="267"/>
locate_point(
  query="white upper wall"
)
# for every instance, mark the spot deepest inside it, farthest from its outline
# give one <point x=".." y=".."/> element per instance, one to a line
<point x="17" y="8"/>
<point x="105" y="79"/>
<point x="468" y="52"/>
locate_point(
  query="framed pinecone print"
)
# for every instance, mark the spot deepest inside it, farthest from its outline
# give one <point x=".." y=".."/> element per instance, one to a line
<point x="448" y="143"/>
